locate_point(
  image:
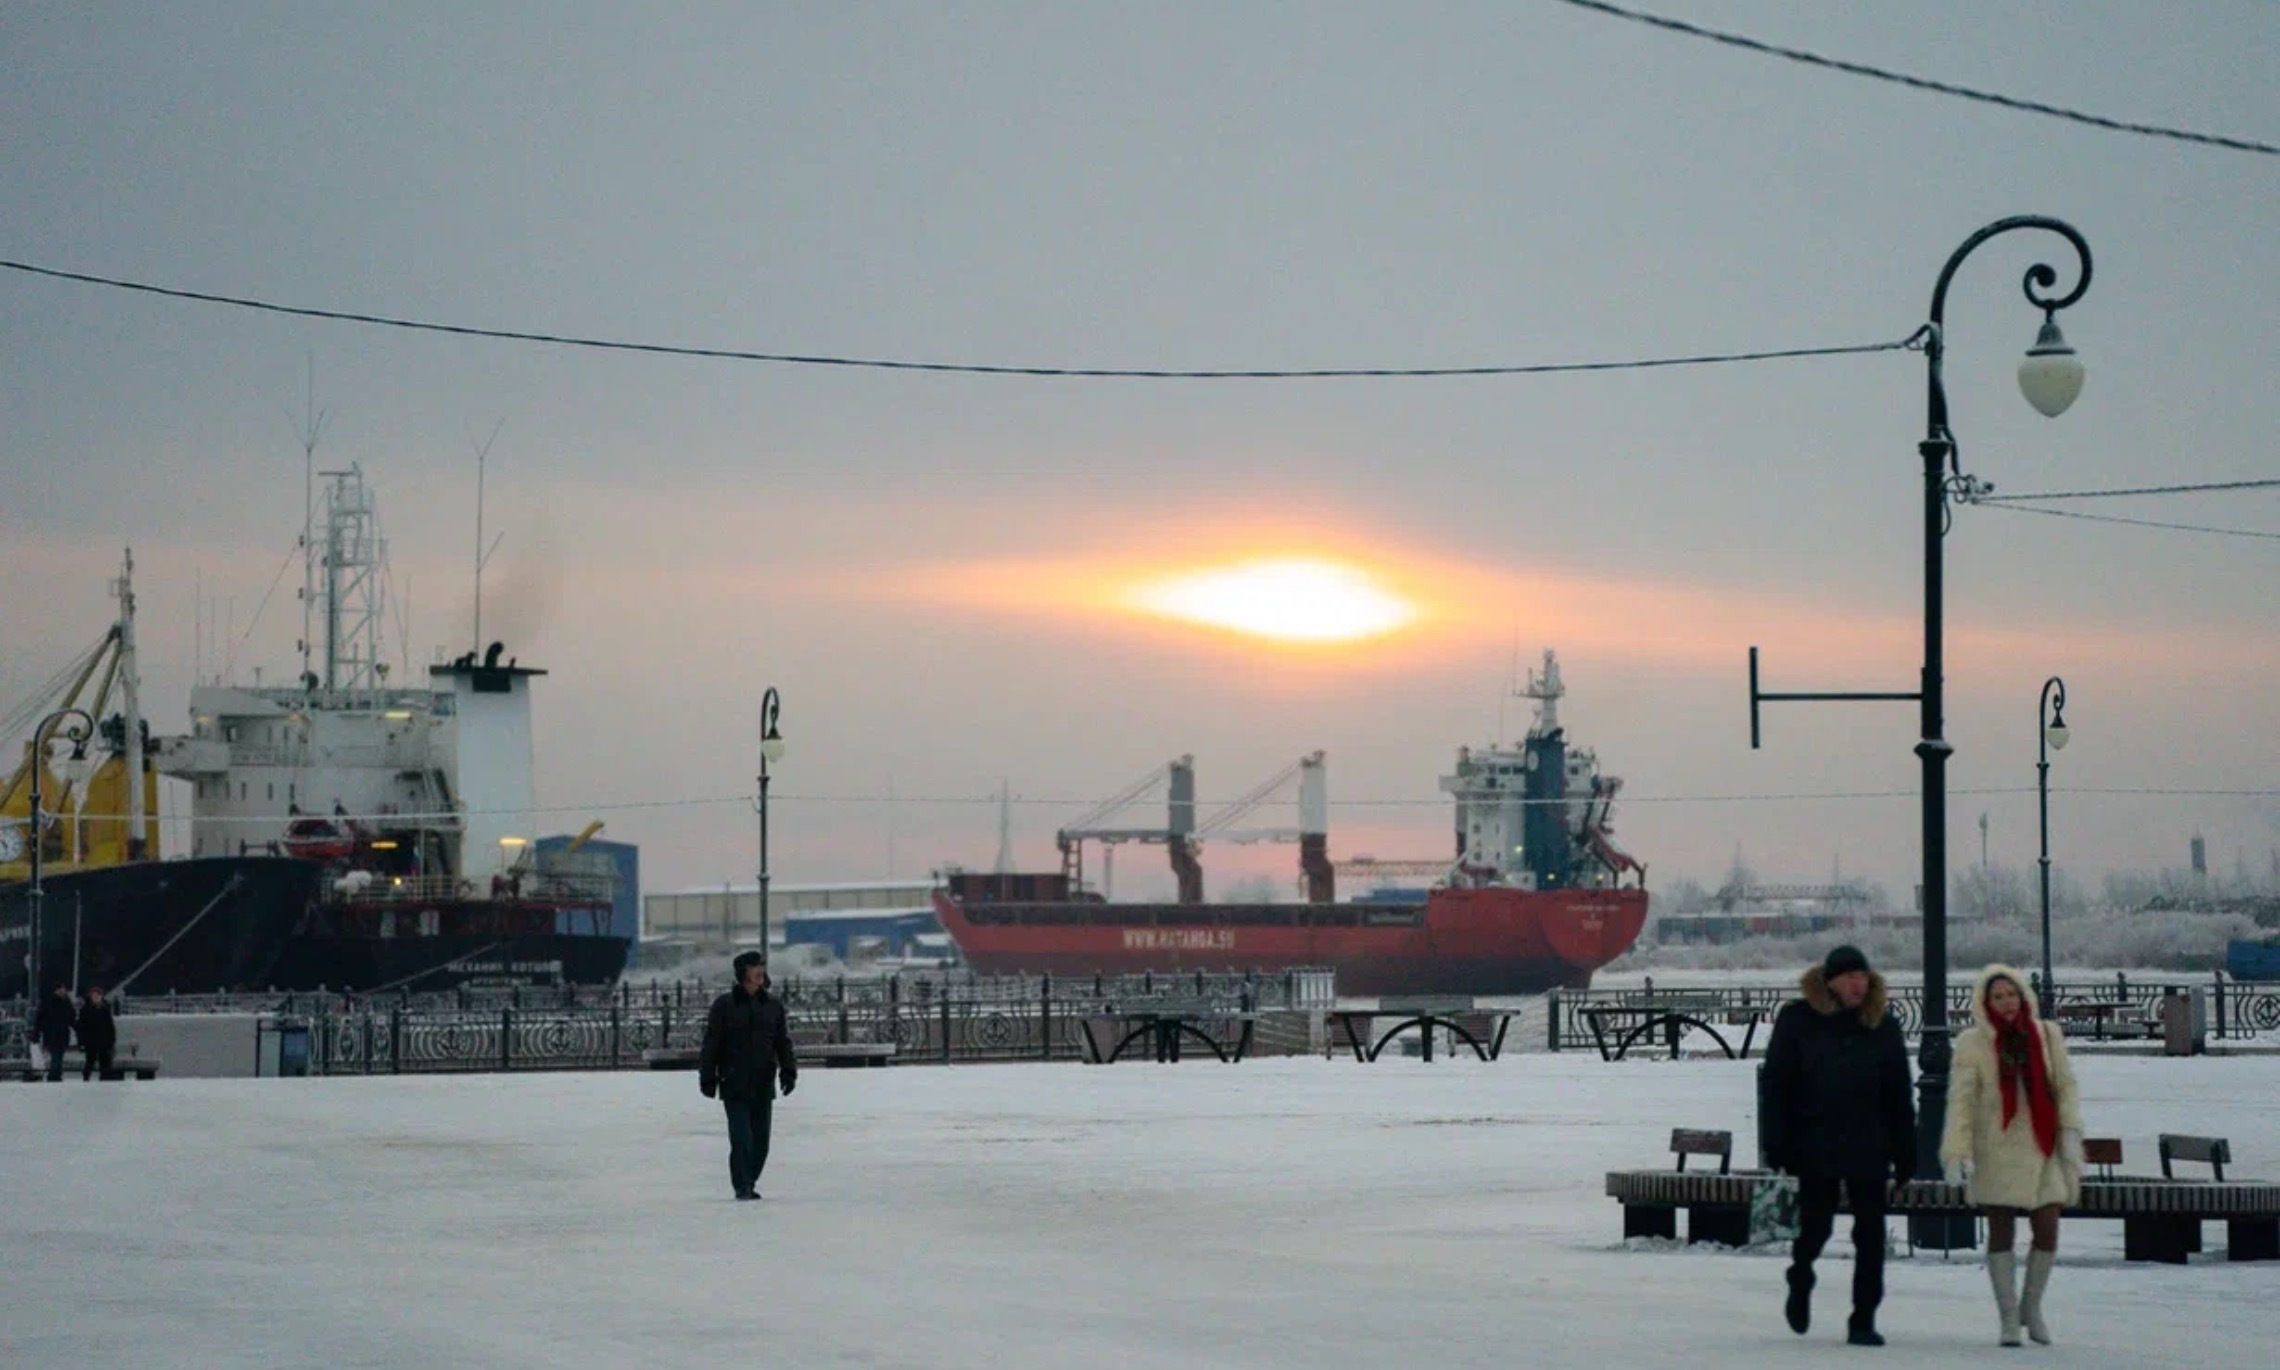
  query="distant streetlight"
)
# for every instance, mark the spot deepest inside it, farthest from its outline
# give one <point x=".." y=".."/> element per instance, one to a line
<point x="2050" y="715"/>
<point x="82" y="728"/>
<point x="771" y="750"/>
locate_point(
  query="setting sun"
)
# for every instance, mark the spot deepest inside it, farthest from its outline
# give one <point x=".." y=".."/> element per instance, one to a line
<point x="1284" y="600"/>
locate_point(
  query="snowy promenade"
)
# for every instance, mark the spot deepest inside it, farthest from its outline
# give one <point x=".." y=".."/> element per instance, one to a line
<point x="1274" y="1213"/>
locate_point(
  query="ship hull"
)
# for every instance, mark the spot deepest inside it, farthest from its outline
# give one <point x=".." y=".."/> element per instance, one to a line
<point x="358" y="964"/>
<point x="1481" y="942"/>
<point x="192" y="926"/>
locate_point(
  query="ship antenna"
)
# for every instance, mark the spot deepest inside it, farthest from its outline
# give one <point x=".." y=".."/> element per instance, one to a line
<point x="483" y="554"/>
<point x="1005" y="827"/>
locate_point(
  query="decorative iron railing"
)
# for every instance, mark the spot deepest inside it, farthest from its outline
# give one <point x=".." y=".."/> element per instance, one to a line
<point x="2118" y="1007"/>
<point x="927" y="1019"/>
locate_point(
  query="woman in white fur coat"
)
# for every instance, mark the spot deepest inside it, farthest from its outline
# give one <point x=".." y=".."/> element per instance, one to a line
<point x="2014" y="1138"/>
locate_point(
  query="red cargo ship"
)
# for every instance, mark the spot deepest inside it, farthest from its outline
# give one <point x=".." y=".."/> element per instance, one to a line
<point x="1534" y="899"/>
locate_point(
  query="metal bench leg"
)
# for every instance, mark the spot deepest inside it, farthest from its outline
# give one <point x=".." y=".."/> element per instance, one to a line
<point x="2253" y="1239"/>
<point x="2165" y="1239"/>
<point x="1649" y="1220"/>
<point x="1729" y="1226"/>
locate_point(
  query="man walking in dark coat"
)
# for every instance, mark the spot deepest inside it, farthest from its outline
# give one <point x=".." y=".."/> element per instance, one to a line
<point x="1839" y="1112"/>
<point x="53" y="1028"/>
<point x="747" y="1053"/>
<point x="98" y="1035"/>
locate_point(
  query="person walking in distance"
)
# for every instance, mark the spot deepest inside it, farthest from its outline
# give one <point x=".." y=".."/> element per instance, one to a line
<point x="98" y="1035"/>
<point x="2014" y="1139"/>
<point x="1839" y="1116"/>
<point x="747" y="1054"/>
<point x="53" y="1026"/>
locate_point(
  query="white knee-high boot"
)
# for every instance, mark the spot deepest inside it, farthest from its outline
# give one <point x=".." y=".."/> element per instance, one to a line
<point x="2003" y="1273"/>
<point x="2039" y="1265"/>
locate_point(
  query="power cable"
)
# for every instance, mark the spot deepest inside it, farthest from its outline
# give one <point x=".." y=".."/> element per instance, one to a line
<point x="2136" y="523"/>
<point x="1922" y="83"/>
<point x="2141" y="490"/>
<point x="958" y="368"/>
<point x="745" y="800"/>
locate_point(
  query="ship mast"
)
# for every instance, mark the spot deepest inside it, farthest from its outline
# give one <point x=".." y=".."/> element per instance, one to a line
<point x="130" y="708"/>
<point x="353" y="554"/>
<point x="312" y="430"/>
<point x="482" y="553"/>
<point x="1544" y="687"/>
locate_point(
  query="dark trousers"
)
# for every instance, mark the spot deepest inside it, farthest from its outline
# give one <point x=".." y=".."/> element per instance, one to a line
<point x="1817" y="1218"/>
<point x="748" y="1122"/>
<point x="97" y="1063"/>
<point x="55" y="1047"/>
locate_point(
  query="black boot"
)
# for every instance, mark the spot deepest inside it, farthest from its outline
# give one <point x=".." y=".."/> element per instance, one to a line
<point x="1863" y="1333"/>
<point x="1799" y="1309"/>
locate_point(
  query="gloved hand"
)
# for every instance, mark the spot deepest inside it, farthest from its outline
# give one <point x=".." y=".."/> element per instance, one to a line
<point x="1959" y="1170"/>
<point x="2070" y="1145"/>
<point x="708" y="1084"/>
<point x="788" y="1081"/>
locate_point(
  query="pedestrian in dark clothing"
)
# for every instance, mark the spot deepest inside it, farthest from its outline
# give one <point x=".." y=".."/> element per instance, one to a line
<point x="1839" y="1113"/>
<point x="53" y="1027"/>
<point x="747" y="1054"/>
<point x="98" y="1035"/>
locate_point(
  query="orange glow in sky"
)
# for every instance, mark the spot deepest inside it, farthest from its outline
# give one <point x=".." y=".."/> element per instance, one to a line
<point x="1289" y="599"/>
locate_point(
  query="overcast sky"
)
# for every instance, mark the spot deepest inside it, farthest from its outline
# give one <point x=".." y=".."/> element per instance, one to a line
<point x="922" y="563"/>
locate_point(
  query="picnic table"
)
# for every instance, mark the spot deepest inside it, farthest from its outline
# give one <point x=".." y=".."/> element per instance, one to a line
<point x="1616" y="1028"/>
<point x="1163" y="1024"/>
<point x="1426" y="1015"/>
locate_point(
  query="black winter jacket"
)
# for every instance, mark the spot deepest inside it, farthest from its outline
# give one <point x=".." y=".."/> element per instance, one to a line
<point x="98" y="1029"/>
<point x="55" y="1020"/>
<point x="1837" y="1094"/>
<point x="748" y="1046"/>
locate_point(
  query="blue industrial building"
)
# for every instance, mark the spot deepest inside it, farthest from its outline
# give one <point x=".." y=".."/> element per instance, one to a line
<point x="853" y="934"/>
<point x="625" y="906"/>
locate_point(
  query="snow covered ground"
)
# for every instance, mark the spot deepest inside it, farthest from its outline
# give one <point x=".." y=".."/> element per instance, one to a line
<point x="1290" y="1212"/>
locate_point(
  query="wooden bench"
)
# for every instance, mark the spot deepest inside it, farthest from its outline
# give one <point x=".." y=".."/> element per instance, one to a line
<point x="828" y="1055"/>
<point x="2171" y="1237"/>
<point x="846" y="1055"/>
<point x="2104" y="1153"/>
<point x="1722" y="1217"/>
<point x="2161" y="1218"/>
<point x="122" y="1067"/>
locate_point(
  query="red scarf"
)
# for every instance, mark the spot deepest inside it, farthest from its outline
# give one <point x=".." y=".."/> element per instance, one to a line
<point x="2019" y="1058"/>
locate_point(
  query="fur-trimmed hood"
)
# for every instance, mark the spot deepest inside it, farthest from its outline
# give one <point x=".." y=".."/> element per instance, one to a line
<point x="1814" y="987"/>
<point x="1999" y="971"/>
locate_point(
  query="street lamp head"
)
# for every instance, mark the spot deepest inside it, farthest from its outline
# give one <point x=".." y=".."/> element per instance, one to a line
<point x="76" y="767"/>
<point x="771" y="741"/>
<point x="2050" y="376"/>
<point x="2056" y="734"/>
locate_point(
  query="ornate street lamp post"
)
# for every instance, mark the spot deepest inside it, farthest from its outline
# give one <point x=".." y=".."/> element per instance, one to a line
<point x="2050" y="377"/>
<point x="771" y="749"/>
<point x="83" y="727"/>
<point x="2050" y="717"/>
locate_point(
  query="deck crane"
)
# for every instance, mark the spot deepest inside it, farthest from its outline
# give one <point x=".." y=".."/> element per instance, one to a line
<point x="1176" y="780"/>
<point x="1312" y="833"/>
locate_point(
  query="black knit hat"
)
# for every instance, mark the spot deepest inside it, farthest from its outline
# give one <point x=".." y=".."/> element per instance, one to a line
<point x="1842" y="960"/>
<point x="744" y="961"/>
